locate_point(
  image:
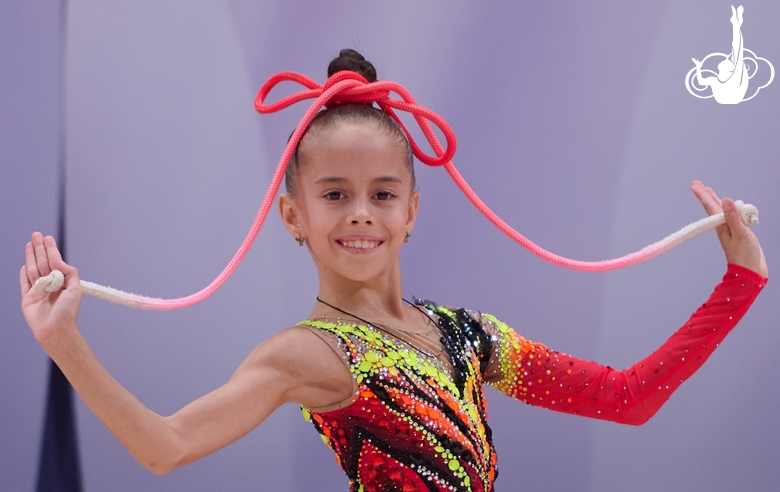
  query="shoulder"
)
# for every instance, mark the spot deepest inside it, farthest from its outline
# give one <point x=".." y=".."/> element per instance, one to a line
<point x="296" y="349"/>
<point x="304" y="364"/>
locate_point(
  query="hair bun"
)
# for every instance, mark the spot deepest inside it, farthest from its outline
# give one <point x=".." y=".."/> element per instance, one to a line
<point x="353" y="61"/>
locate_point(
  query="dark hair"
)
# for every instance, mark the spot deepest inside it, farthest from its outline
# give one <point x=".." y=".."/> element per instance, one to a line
<point x="350" y="113"/>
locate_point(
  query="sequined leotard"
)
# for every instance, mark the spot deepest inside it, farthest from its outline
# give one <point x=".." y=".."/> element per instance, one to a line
<point x="417" y="423"/>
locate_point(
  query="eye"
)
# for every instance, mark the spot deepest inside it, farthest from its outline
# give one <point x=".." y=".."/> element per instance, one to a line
<point x="384" y="195"/>
<point x="334" y="196"/>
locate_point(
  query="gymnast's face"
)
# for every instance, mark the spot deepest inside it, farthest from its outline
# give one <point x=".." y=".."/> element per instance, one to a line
<point x="354" y="201"/>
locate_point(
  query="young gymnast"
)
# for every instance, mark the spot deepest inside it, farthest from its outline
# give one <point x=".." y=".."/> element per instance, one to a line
<point x="395" y="388"/>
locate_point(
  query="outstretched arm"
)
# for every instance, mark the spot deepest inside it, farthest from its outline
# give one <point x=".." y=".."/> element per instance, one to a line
<point x="293" y="366"/>
<point x="539" y="376"/>
<point x="542" y="377"/>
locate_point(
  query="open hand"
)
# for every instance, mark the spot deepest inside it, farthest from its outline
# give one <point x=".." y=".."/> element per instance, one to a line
<point x="738" y="241"/>
<point x="48" y="313"/>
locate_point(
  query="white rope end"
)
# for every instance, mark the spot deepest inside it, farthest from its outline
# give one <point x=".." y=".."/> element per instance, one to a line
<point x="748" y="213"/>
<point x="50" y="283"/>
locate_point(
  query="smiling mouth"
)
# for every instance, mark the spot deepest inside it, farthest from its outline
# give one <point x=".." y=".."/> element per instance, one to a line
<point x="360" y="245"/>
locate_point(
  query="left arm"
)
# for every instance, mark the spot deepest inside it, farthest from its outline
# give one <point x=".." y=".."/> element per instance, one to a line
<point x="542" y="377"/>
<point x="539" y="376"/>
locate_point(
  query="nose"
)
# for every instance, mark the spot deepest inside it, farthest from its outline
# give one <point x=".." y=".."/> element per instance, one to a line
<point x="361" y="213"/>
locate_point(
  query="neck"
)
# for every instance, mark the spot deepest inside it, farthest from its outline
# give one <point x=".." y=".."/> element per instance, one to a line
<point x="378" y="298"/>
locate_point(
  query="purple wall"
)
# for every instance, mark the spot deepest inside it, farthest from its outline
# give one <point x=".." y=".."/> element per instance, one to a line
<point x="573" y="123"/>
<point x="31" y="141"/>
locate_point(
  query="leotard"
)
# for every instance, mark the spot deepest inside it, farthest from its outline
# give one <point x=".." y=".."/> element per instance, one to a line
<point x="418" y="422"/>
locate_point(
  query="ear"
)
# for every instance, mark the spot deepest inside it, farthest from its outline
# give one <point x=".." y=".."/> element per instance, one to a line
<point x="411" y="216"/>
<point x="291" y="217"/>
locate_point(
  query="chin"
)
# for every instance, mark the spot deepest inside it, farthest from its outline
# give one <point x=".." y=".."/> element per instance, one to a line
<point x="365" y="273"/>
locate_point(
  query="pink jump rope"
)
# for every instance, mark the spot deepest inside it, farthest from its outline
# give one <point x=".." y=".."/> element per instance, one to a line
<point x="350" y="87"/>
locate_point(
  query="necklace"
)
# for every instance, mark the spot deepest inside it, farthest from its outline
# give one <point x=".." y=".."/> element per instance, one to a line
<point x="368" y="323"/>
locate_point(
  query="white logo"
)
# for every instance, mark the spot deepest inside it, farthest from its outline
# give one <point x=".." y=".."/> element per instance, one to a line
<point x="730" y="84"/>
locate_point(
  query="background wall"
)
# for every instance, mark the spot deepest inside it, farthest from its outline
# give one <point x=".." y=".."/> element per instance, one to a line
<point x="573" y="123"/>
<point x="31" y="151"/>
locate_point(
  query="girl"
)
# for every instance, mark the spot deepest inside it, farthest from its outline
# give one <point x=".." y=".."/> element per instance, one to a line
<point x="394" y="387"/>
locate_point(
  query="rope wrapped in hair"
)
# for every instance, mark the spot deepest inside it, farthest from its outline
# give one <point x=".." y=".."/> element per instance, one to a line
<point x="350" y="87"/>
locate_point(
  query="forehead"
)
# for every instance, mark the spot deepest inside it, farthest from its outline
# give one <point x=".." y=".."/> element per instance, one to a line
<point x="353" y="151"/>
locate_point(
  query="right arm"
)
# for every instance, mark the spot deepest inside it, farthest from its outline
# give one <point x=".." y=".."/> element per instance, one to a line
<point x="293" y="366"/>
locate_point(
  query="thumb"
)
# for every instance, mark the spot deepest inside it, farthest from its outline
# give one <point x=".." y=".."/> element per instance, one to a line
<point x="734" y="219"/>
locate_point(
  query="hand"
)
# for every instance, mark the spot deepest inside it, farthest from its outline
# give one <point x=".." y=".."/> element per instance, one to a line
<point x="738" y="241"/>
<point x="48" y="313"/>
<point x="696" y="62"/>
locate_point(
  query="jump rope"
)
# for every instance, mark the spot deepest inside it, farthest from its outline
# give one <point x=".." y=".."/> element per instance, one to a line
<point x="351" y="87"/>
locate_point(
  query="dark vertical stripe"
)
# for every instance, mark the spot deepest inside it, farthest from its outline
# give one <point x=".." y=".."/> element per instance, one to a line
<point x="59" y="469"/>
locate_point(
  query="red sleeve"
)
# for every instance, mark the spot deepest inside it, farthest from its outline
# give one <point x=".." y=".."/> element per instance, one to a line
<point x="542" y="377"/>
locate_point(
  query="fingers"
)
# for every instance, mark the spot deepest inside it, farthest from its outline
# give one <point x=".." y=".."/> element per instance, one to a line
<point x="713" y="205"/>
<point x="53" y="254"/>
<point x="57" y="263"/>
<point x="30" y="269"/>
<point x="734" y="219"/>
<point x="714" y="196"/>
<point x="24" y="281"/>
<point x="41" y="258"/>
<point x="709" y="200"/>
<point x="31" y="264"/>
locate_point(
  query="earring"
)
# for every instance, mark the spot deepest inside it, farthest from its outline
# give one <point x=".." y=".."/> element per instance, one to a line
<point x="406" y="238"/>
<point x="300" y="240"/>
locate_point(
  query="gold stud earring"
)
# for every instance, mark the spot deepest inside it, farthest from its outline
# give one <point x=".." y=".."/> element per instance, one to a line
<point x="407" y="236"/>
<point x="300" y="240"/>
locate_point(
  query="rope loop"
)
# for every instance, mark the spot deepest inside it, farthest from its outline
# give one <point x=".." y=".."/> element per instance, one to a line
<point x="350" y="87"/>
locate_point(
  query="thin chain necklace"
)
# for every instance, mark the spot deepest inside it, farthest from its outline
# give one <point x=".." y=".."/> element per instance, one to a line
<point x="368" y="323"/>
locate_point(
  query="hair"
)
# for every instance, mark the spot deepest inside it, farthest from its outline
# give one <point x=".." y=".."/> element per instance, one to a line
<point x="356" y="113"/>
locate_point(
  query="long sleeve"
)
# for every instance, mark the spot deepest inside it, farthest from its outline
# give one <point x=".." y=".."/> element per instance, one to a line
<point x="542" y="377"/>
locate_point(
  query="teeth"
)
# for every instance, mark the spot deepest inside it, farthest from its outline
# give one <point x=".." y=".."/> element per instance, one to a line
<point x="360" y="244"/>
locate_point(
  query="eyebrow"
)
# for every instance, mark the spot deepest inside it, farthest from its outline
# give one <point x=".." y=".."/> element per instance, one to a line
<point x="337" y="179"/>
